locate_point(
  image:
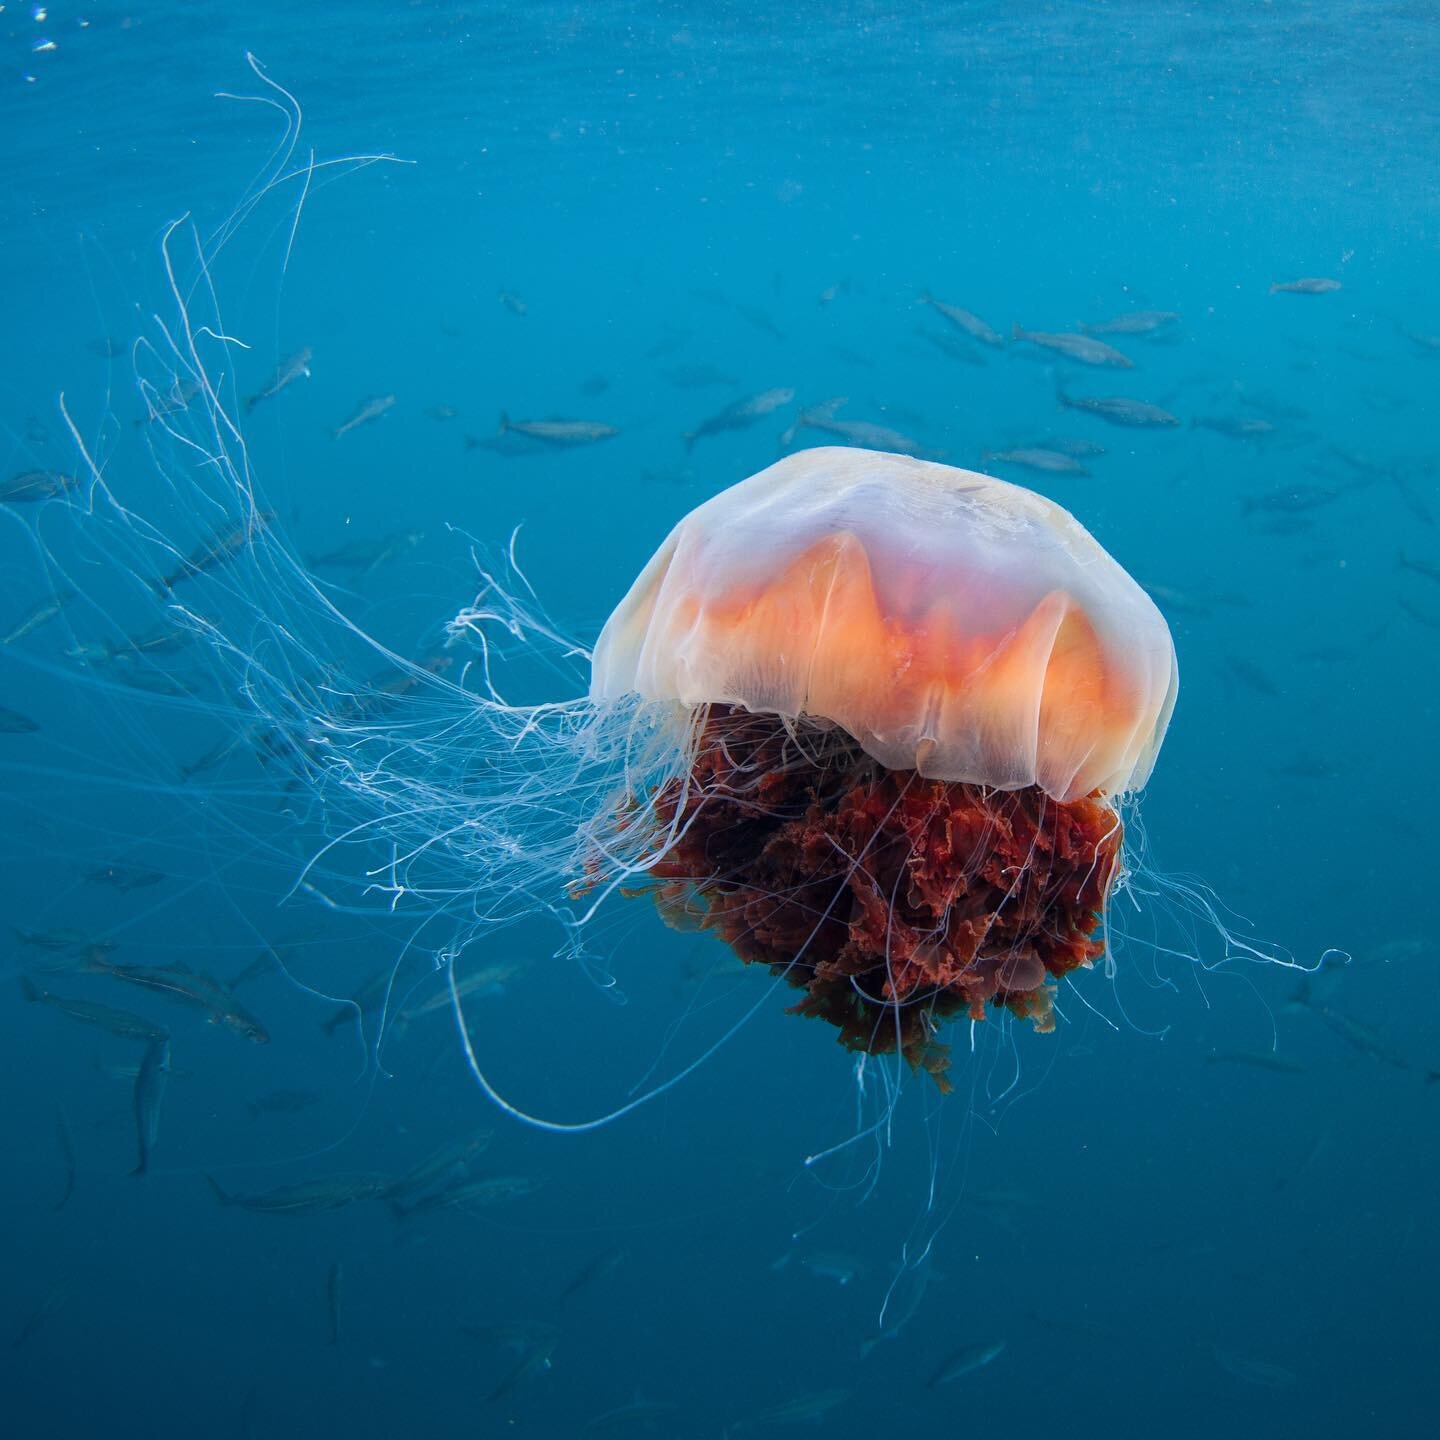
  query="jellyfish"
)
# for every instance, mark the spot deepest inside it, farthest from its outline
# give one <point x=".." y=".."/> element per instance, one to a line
<point x="912" y="699"/>
<point x="874" y="723"/>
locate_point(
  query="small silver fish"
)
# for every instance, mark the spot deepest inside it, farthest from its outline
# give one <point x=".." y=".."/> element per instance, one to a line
<point x="1292" y="500"/>
<point x="597" y="1270"/>
<point x="759" y="319"/>
<point x="149" y="1091"/>
<point x="967" y="1360"/>
<point x="368" y="997"/>
<point x="12" y="722"/>
<point x="52" y="1304"/>
<point x="1034" y="457"/>
<point x="1236" y="427"/>
<point x="563" y="434"/>
<point x="810" y="1407"/>
<point x="1420" y="567"/>
<point x="831" y="1265"/>
<point x="1361" y="1037"/>
<point x="485" y="978"/>
<point x="1421" y="339"/>
<point x="63" y="939"/>
<point x="639" y="1414"/>
<point x="287" y="372"/>
<point x="367" y="410"/>
<point x="106" y="1017"/>
<point x="1069" y="445"/>
<point x="364" y="556"/>
<point x="1254" y="1372"/>
<point x="904" y="1297"/>
<point x="487" y="1190"/>
<point x="1136" y="322"/>
<point x="446" y="1164"/>
<point x="1390" y="952"/>
<point x="31" y="485"/>
<point x="1306" y="285"/>
<point x="856" y="432"/>
<point x="193" y="988"/>
<point x="1076" y="347"/>
<point x="1121" y="410"/>
<point x="740" y="414"/>
<point x="223" y="545"/>
<point x="1431" y="622"/>
<point x="697" y="377"/>
<point x="176" y="399"/>
<point x="965" y="320"/>
<point x="38" y="615"/>
<point x="532" y="1364"/>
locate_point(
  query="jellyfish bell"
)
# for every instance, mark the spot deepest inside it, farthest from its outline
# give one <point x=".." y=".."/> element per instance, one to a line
<point x="913" y="696"/>
<point x="951" y="623"/>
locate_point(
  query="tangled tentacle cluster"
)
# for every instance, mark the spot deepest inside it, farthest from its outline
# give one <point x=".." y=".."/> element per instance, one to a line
<point x="893" y="901"/>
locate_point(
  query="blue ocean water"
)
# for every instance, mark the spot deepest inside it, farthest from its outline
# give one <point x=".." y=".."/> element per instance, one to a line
<point x="1196" y="1206"/>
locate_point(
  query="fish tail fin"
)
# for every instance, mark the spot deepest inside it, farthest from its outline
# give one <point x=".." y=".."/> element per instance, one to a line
<point x="504" y="423"/>
<point x="142" y="1168"/>
<point x="1431" y="1076"/>
<point x="222" y="1196"/>
<point x="251" y="401"/>
<point x="1275" y="289"/>
<point x="689" y="437"/>
<point x="471" y="443"/>
<point x="1018" y="332"/>
<point x="30" y="990"/>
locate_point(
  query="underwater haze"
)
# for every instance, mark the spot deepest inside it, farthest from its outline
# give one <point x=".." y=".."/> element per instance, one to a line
<point x="357" y="359"/>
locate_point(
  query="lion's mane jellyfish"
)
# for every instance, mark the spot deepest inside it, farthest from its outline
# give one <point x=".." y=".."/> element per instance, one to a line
<point x="914" y="696"/>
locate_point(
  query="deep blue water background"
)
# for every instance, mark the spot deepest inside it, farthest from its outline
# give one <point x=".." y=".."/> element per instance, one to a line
<point x="1143" y="1221"/>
